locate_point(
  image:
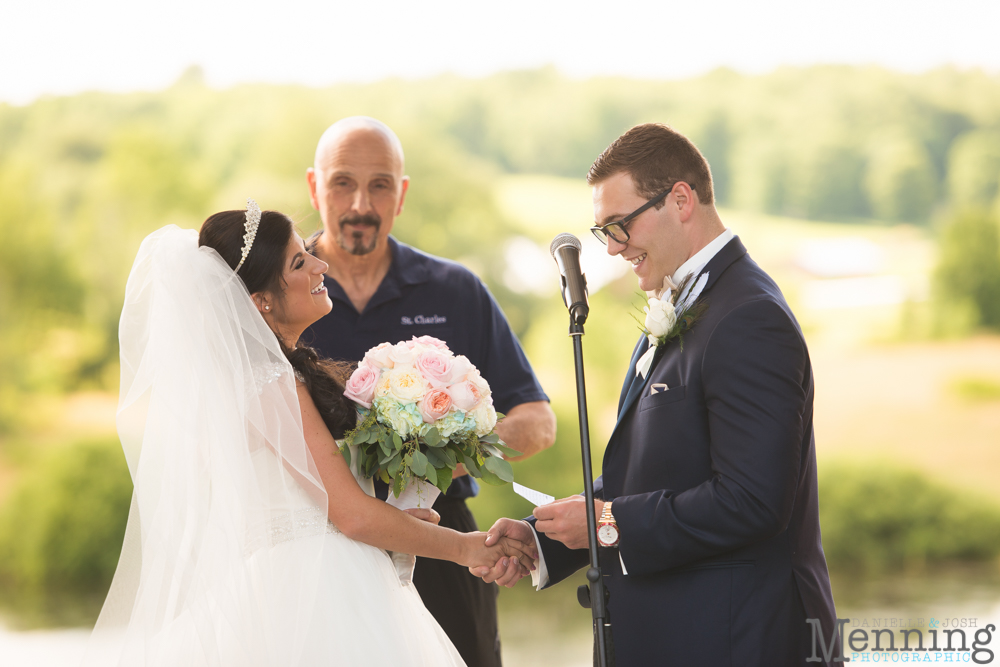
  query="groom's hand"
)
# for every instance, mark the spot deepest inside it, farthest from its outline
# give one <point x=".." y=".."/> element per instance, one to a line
<point x="507" y="572"/>
<point x="565" y="520"/>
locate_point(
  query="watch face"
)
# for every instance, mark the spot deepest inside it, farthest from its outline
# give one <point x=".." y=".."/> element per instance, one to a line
<point x="607" y="534"/>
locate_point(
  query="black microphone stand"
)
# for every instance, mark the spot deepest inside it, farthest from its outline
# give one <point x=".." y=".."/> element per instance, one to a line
<point x="594" y="596"/>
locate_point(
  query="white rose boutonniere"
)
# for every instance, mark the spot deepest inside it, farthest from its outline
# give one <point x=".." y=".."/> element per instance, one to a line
<point x="660" y="317"/>
<point x="670" y="313"/>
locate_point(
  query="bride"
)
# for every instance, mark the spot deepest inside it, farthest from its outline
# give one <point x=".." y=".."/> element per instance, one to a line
<point x="249" y="540"/>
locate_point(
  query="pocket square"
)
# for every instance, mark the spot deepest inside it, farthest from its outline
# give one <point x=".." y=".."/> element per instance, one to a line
<point x="657" y="387"/>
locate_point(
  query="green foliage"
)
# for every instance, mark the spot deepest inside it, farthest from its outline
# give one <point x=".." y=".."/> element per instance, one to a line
<point x="83" y="179"/>
<point x="61" y="532"/>
<point x="968" y="273"/>
<point x="974" y="169"/>
<point x="881" y="516"/>
<point x="977" y="389"/>
<point x="431" y="456"/>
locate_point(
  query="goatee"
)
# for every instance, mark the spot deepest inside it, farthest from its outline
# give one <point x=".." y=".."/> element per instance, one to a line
<point x="354" y="242"/>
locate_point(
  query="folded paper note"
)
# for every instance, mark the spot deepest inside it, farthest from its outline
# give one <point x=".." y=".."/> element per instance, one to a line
<point x="536" y="498"/>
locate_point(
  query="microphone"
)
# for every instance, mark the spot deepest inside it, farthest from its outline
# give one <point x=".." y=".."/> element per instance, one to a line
<point x="565" y="250"/>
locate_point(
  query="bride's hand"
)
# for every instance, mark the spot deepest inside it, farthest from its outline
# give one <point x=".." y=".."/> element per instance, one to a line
<point x="424" y="514"/>
<point x="483" y="558"/>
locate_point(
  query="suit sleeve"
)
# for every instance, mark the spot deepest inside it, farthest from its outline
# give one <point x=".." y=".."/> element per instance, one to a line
<point x="756" y="389"/>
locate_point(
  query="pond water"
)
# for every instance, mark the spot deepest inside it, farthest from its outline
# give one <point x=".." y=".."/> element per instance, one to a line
<point x="550" y="629"/>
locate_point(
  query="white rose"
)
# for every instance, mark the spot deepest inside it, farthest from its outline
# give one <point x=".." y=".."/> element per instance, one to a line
<point x="486" y="418"/>
<point x="405" y="384"/>
<point x="401" y="354"/>
<point x="660" y="317"/>
<point x="378" y="356"/>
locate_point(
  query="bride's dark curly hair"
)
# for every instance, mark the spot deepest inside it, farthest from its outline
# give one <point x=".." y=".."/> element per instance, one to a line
<point x="262" y="272"/>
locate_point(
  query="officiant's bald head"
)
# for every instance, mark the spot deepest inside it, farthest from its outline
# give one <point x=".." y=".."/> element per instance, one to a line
<point x="357" y="184"/>
<point x="359" y="134"/>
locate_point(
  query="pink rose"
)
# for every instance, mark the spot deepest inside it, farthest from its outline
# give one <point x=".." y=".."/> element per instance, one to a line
<point x="378" y="356"/>
<point x="436" y="404"/>
<point x="465" y="395"/>
<point x="430" y="341"/>
<point x="479" y="382"/>
<point x="435" y="367"/>
<point x="460" y="368"/>
<point x="361" y="387"/>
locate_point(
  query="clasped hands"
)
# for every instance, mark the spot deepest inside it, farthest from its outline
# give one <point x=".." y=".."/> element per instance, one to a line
<point x="564" y="520"/>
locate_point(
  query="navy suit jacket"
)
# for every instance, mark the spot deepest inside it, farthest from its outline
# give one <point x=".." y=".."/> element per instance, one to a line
<point x="714" y="489"/>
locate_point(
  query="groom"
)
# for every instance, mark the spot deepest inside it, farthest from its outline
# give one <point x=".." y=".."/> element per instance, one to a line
<point x="709" y="478"/>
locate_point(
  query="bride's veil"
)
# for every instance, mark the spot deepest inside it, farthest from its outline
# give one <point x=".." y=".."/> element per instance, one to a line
<point x="210" y="424"/>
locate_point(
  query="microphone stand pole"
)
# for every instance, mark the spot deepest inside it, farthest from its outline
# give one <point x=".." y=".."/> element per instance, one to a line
<point x="594" y="596"/>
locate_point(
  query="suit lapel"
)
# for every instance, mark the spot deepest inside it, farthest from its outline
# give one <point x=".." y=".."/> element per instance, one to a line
<point x="634" y="383"/>
<point x="640" y="349"/>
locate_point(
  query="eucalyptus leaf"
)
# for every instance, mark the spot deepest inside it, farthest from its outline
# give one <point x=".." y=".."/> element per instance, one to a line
<point x="346" y="451"/>
<point x="507" y="450"/>
<point x="436" y="457"/>
<point x="471" y="466"/>
<point x="419" y="465"/>
<point x="492" y="438"/>
<point x="444" y="479"/>
<point x="384" y="476"/>
<point x="395" y="464"/>
<point x="500" y="468"/>
<point x="491" y="479"/>
<point x="433" y="437"/>
<point x="397" y="442"/>
<point x="431" y="474"/>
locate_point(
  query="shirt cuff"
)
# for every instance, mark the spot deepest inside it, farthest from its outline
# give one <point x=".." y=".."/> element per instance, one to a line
<point x="540" y="575"/>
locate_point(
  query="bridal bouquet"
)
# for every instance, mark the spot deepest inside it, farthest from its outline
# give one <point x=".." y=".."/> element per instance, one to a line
<point x="423" y="411"/>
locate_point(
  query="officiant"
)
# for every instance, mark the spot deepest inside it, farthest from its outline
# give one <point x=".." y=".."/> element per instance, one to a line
<point x="383" y="290"/>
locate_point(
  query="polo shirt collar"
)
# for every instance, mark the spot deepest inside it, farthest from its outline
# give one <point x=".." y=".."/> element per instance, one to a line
<point x="409" y="266"/>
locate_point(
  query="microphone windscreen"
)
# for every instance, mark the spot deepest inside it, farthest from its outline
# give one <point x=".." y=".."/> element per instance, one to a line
<point x="564" y="240"/>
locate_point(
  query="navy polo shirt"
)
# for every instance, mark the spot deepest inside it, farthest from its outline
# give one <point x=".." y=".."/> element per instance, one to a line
<point x="426" y="295"/>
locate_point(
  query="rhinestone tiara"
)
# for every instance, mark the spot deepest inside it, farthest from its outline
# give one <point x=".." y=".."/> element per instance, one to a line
<point x="250" y="227"/>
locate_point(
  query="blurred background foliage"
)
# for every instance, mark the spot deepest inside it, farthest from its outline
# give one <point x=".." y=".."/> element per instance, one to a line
<point x="824" y="151"/>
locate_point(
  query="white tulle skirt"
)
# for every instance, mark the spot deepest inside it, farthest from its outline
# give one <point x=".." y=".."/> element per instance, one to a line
<point x="362" y="616"/>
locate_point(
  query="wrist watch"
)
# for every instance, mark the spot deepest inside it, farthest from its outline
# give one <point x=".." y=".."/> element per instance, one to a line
<point x="607" y="530"/>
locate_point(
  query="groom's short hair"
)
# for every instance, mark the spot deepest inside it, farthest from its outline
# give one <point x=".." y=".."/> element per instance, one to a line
<point x="656" y="156"/>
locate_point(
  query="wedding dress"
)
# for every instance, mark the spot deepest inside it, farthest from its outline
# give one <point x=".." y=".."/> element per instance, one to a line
<point x="229" y="558"/>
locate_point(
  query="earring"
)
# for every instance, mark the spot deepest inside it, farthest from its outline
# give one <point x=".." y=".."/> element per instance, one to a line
<point x="267" y="307"/>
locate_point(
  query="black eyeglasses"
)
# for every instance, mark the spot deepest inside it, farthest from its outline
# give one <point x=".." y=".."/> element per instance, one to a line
<point x="616" y="230"/>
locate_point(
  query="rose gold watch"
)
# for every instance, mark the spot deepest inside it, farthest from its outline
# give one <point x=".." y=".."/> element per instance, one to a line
<point x="608" y="534"/>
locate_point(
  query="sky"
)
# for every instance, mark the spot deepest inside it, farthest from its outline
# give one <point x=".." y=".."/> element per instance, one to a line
<point x="60" y="47"/>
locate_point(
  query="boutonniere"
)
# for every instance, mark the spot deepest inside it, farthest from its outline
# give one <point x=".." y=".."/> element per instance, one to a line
<point x="671" y="311"/>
